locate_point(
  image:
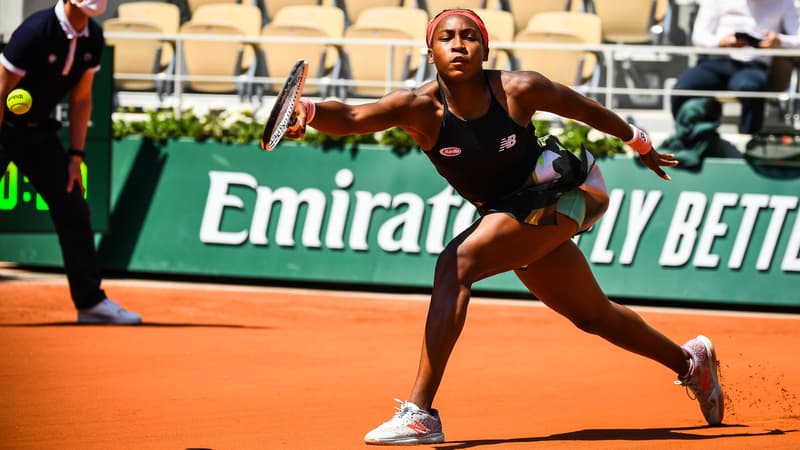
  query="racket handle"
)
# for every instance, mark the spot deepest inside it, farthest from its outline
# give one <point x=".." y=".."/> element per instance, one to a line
<point x="311" y="109"/>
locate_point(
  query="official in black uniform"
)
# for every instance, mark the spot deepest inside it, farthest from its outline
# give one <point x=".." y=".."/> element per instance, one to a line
<point x="475" y="126"/>
<point x="56" y="52"/>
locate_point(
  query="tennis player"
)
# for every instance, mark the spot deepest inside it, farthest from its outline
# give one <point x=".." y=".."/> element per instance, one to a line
<point x="475" y="126"/>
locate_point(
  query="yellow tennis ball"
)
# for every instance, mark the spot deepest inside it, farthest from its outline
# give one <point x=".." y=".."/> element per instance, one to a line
<point x="19" y="101"/>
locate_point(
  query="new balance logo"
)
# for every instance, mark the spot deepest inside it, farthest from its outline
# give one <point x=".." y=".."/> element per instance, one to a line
<point x="418" y="428"/>
<point x="508" y="142"/>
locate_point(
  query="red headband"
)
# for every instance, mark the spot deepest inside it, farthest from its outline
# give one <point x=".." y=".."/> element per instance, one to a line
<point x="464" y="12"/>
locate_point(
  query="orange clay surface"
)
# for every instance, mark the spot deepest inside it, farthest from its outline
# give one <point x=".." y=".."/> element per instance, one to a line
<point x="235" y="367"/>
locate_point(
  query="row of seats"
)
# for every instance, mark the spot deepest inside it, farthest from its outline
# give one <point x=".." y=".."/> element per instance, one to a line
<point x="522" y="9"/>
<point x="363" y="64"/>
<point x="625" y="21"/>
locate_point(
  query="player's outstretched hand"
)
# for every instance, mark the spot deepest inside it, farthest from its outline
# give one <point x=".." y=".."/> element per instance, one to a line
<point x="297" y="124"/>
<point x="654" y="161"/>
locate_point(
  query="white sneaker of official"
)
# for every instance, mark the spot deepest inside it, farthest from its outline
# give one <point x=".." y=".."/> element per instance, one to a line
<point x="108" y="312"/>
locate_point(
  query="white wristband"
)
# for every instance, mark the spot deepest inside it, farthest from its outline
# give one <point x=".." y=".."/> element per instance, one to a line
<point x="640" y="141"/>
<point x="311" y="109"/>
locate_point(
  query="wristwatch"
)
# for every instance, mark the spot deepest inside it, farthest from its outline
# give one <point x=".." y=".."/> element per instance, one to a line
<point x="76" y="152"/>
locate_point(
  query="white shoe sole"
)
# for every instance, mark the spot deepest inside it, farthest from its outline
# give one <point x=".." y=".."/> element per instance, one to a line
<point x="712" y="357"/>
<point x="436" y="438"/>
<point x="92" y="319"/>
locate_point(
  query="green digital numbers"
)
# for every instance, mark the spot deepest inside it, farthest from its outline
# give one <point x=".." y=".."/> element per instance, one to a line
<point x="9" y="188"/>
<point x="12" y="194"/>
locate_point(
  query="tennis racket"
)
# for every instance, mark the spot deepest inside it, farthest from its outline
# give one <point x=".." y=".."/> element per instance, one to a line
<point x="280" y="117"/>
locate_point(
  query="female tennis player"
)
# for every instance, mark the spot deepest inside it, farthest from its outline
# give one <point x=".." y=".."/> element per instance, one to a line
<point x="475" y="126"/>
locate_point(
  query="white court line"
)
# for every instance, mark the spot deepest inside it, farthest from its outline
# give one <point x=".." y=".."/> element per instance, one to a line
<point x="205" y="286"/>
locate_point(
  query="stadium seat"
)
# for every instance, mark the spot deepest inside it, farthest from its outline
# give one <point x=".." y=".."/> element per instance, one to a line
<point x="279" y="57"/>
<point x="212" y="58"/>
<point x="353" y="8"/>
<point x="367" y="65"/>
<point x="166" y="16"/>
<point x="409" y="20"/>
<point x="195" y="4"/>
<point x="523" y="10"/>
<point x="586" y="25"/>
<point x="274" y="6"/>
<point x="625" y="22"/>
<point x="500" y="26"/>
<point x="303" y="21"/>
<point x="571" y="67"/>
<point x="434" y="7"/>
<point x="329" y="18"/>
<point x="630" y="22"/>
<point x="561" y="65"/>
<point x="245" y="17"/>
<point x="136" y="56"/>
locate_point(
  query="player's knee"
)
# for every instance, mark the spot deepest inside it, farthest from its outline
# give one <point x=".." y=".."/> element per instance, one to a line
<point x="589" y="323"/>
<point x="456" y="265"/>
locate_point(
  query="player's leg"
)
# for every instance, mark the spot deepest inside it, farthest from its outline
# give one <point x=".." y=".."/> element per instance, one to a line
<point x="582" y="301"/>
<point x="564" y="282"/>
<point x="497" y="243"/>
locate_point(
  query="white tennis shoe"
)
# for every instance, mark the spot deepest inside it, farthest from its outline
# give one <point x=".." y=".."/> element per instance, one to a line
<point x="702" y="379"/>
<point x="409" y="426"/>
<point x="108" y="312"/>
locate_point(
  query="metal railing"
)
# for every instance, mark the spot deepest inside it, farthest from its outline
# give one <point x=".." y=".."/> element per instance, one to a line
<point x="609" y="53"/>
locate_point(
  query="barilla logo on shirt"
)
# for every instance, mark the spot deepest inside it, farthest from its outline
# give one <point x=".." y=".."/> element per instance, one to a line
<point x="450" y="151"/>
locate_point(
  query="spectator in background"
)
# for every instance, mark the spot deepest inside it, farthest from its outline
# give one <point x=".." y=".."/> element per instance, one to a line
<point x="53" y="53"/>
<point x="726" y="24"/>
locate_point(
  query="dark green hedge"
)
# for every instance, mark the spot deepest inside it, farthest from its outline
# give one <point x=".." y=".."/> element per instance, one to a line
<point x="243" y="128"/>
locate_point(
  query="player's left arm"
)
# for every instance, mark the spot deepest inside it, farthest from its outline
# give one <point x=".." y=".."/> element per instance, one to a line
<point x="543" y="94"/>
<point x="554" y="97"/>
<point x="80" y="110"/>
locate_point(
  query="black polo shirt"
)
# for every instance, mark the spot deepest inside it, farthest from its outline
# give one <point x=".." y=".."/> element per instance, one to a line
<point x="39" y="49"/>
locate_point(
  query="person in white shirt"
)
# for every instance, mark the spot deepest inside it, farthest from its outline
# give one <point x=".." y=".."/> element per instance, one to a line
<point x="737" y="24"/>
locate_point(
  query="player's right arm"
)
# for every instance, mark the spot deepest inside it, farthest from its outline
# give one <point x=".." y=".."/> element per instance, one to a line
<point x="401" y="108"/>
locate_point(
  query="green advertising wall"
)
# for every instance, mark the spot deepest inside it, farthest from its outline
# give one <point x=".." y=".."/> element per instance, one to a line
<point x="728" y="234"/>
<point x="23" y="210"/>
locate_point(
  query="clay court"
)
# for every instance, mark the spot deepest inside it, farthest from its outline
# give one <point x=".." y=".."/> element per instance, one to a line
<point x="237" y="367"/>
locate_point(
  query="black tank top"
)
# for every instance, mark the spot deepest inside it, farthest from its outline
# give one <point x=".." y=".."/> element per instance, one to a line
<point x="484" y="159"/>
